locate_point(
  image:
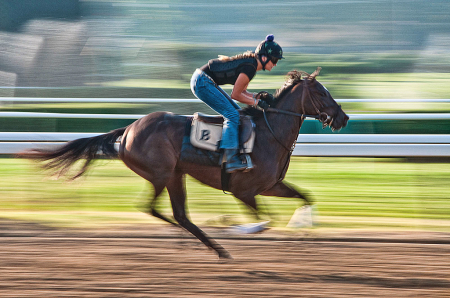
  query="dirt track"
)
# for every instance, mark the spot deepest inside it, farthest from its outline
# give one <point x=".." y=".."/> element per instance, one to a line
<point x="164" y="262"/>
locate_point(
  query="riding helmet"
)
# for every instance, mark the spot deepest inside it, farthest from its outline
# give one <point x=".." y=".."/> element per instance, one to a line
<point x="270" y="49"/>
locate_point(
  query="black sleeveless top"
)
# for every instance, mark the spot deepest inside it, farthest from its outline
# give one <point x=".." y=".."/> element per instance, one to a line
<point x="227" y="72"/>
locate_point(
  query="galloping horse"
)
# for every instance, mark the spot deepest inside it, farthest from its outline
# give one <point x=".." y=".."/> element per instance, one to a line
<point x="151" y="147"/>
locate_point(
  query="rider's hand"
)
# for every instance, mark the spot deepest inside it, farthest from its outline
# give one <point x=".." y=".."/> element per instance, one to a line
<point x="263" y="105"/>
<point x="266" y="96"/>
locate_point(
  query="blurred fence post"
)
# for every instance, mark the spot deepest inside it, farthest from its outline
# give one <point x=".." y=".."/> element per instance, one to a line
<point x="8" y="80"/>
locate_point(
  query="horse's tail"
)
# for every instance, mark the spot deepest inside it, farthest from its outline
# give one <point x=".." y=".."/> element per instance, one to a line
<point x="61" y="159"/>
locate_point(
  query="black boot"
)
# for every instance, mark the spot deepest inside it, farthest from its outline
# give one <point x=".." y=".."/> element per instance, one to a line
<point x="234" y="161"/>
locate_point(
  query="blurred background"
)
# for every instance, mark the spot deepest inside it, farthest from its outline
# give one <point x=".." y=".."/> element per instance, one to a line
<point x="150" y="45"/>
<point x="368" y="49"/>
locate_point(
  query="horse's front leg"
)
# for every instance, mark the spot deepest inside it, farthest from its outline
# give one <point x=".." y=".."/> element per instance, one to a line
<point x="302" y="216"/>
<point x="281" y="189"/>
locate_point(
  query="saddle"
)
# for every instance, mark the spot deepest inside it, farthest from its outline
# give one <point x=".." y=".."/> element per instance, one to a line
<point x="201" y="142"/>
<point x="206" y="132"/>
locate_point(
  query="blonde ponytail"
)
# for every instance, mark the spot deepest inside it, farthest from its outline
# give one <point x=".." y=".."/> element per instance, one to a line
<point x="224" y="58"/>
<point x="248" y="54"/>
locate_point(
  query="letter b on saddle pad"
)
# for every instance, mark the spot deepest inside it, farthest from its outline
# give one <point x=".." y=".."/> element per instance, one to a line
<point x="206" y="132"/>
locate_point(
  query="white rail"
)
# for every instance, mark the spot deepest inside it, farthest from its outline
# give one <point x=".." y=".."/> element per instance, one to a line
<point x="43" y="136"/>
<point x="307" y="145"/>
<point x="302" y="138"/>
<point x="67" y="115"/>
<point x="376" y="145"/>
<point x="382" y="145"/>
<point x="373" y="138"/>
<point x="97" y="100"/>
<point x="184" y="100"/>
<point x="410" y="116"/>
<point x="373" y="150"/>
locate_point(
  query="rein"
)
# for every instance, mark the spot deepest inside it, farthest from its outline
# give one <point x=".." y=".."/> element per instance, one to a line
<point x="291" y="113"/>
<point x="302" y="116"/>
<point x="273" y="134"/>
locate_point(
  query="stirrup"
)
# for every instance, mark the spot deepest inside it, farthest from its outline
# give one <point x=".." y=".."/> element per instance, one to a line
<point x="249" y="163"/>
<point x="229" y="171"/>
<point x="235" y="161"/>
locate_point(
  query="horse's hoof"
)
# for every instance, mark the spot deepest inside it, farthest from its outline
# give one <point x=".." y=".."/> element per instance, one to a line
<point x="225" y="255"/>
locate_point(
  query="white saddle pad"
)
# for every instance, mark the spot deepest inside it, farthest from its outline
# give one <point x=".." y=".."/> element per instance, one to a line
<point x="207" y="136"/>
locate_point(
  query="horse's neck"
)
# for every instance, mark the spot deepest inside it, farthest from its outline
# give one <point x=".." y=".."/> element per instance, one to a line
<point x="292" y="101"/>
<point x="288" y="125"/>
<point x="285" y="127"/>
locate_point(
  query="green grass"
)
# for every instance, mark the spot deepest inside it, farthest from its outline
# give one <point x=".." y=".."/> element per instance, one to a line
<point x="349" y="193"/>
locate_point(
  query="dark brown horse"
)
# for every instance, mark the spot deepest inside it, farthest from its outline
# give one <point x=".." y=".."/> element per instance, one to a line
<point x="151" y="147"/>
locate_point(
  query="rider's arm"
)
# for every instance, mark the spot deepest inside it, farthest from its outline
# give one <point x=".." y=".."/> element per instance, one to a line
<point x="240" y="92"/>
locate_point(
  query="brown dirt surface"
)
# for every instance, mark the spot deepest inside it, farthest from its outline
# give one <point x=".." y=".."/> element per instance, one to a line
<point x="162" y="261"/>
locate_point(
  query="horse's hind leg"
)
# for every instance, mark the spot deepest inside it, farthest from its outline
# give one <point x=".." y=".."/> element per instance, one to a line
<point x="281" y="189"/>
<point x="153" y="204"/>
<point x="177" y="194"/>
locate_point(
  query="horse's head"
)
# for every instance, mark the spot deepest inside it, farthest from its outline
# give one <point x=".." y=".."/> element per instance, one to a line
<point x="314" y="99"/>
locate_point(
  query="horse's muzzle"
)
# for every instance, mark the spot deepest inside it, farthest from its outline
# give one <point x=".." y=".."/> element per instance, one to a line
<point x="340" y="121"/>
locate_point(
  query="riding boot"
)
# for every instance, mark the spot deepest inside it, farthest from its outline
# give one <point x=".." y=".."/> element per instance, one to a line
<point x="234" y="161"/>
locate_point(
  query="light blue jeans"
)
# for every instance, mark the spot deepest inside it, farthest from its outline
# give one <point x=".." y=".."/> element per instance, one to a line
<point x="206" y="90"/>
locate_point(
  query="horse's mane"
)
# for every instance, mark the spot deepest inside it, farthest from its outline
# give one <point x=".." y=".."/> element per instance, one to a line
<point x="292" y="78"/>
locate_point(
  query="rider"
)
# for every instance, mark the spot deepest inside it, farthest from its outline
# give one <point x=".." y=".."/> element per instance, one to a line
<point x="238" y="70"/>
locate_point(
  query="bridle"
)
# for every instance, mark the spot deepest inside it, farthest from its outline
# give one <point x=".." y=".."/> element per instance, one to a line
<point x="323" y="117"/>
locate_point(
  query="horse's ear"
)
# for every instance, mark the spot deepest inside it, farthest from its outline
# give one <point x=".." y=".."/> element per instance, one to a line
<point x="315" y="73"/>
